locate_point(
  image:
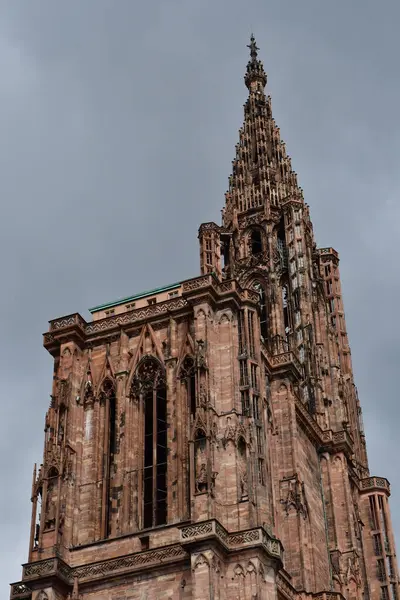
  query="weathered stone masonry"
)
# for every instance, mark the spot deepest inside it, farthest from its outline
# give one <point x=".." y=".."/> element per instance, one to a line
<point x="205" y="440"/>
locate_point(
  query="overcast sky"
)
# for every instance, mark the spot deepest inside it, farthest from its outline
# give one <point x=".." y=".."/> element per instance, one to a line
<point x="118" y="121"/>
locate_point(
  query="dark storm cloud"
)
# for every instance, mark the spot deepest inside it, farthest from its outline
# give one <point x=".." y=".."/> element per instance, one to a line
<point x="118" y="123"/>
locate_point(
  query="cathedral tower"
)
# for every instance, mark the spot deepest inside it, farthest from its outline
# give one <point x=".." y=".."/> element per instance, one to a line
<point x="204" y="440"/>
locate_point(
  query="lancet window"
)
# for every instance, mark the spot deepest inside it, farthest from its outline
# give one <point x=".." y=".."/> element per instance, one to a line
<point x="256" y="242"/>
<point x="149" y="384"/>
<point x="108" y="400"/>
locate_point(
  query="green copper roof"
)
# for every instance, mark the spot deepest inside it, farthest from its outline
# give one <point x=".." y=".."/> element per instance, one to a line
<point x="132" y="298"/>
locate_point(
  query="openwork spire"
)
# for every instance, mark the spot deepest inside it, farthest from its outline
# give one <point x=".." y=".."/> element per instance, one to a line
<point x="262" y="174"/>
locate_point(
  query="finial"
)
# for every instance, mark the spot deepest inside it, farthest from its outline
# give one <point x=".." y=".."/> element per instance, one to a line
<point x="254" y="70"/>
<point x="75" y="591"/>
<point x="253" y="47"/>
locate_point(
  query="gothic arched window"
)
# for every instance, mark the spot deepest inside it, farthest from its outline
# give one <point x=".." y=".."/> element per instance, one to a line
<point x="263" y="310"/>
<point x="149" y="383"/>
<point x="108" y="400"/>
<point x="256" y="242"/>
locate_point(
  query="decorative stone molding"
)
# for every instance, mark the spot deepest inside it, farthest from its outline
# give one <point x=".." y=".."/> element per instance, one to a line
<point x="337" y="441"/>
<point x="98" y="570"/>
<point x="212" y="529"/>
<point x="40" y="568"/>
<point x="20" y="591"/>
<point x="283" y="361"/>
<point x="285" y="587"/>
<point x="375" y="483"/>
<point x="74" y="327"/>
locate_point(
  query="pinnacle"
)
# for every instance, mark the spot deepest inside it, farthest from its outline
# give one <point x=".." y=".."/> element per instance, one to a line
<point x="255" y="69"/>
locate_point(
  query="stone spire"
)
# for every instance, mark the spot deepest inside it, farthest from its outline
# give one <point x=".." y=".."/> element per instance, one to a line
<point x="262" y="174"/>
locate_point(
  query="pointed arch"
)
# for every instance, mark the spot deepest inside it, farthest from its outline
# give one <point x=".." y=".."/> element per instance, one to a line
<point x="149" y="386"/>
<point x="255" y="240"/>
<point x="107" y="374"/>
<point x="106" y="388"/>
<point x="238" y="571"/>
<point x="187" y="366"/>
<point x="108" y="402"/>
<point x="148" y="375"/>
<point x="52" y="472"/>
<point x="201" y="559"/>
<point x="140" y="353"/>
<point x="135" y="357"/>
<point x="187" y="347"/>
<point x="225" y="317"/>
<point x="251" y="567"/>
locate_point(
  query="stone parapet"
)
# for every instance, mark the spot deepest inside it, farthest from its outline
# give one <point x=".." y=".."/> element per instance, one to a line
<point x="371" y="484"/>
<point x="212" y="530"/>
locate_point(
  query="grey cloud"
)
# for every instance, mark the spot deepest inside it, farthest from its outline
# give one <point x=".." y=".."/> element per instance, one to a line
<point x="118" y="122"/>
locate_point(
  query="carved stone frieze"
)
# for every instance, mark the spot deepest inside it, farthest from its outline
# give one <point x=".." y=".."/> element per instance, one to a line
<point x="40" y="568"/>
<point x="138" y="560"/>
<point x="96" y="570"/>
<point x="20" y="591"/>
<point x="102" y="325"/>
